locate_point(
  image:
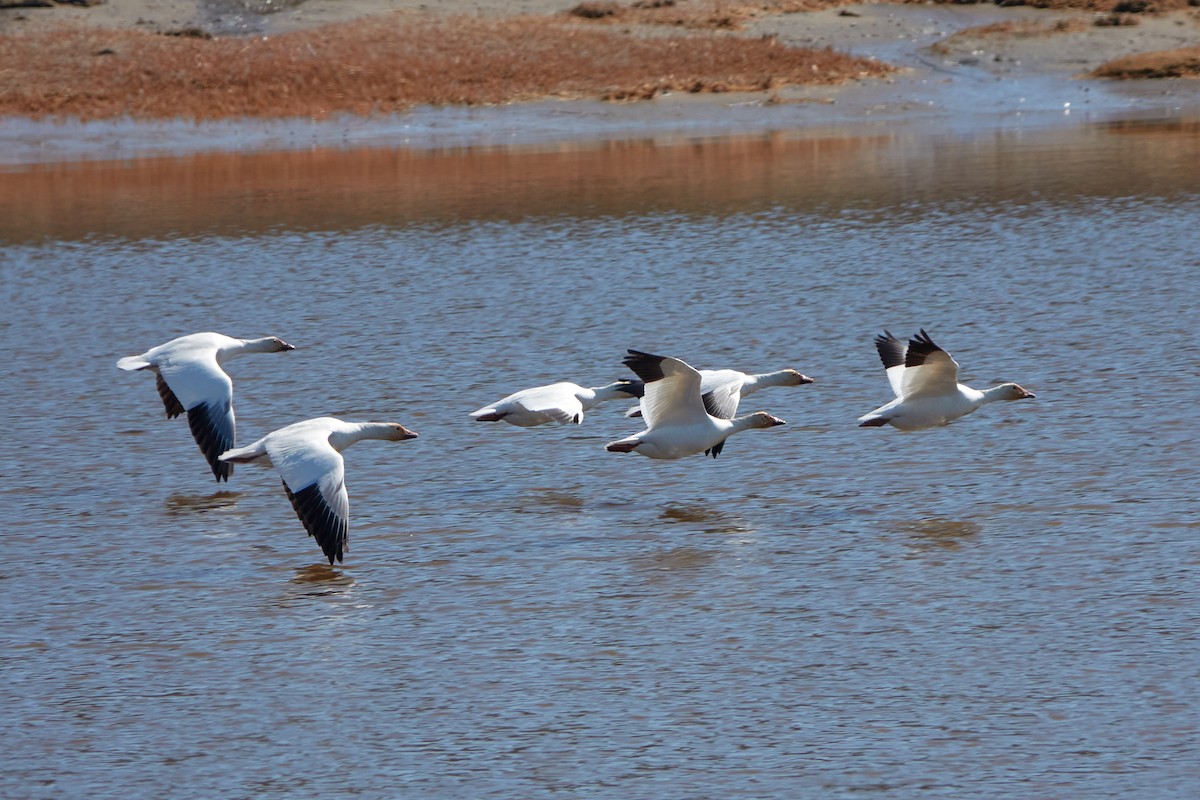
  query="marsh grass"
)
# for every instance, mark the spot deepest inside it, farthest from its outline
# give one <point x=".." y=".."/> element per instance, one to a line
<point x="1008" y="30"/>
<point x="698" y="14"/>
<point x="735" y="14"/>
<point x="1181" y="63"/>
<point x="383" y="65"/>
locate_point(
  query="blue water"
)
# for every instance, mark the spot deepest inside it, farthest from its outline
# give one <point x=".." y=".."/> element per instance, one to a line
<point x="1005" y="607"/>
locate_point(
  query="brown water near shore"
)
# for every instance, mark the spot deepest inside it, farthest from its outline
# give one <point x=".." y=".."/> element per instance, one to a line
<point x="218" y="193"/>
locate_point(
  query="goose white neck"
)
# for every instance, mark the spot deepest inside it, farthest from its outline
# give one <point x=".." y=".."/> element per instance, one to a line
<point x="759" y="419"/>
<point x="267" y="344"/>
<point x="783" y="377"/>
<point x="350" y="432"/>
<point x="1002" y="392"/>
<point x="619" y="389"/>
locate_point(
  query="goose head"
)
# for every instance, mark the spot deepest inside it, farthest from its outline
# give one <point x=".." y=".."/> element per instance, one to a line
<point x="761" y="419"/>
<point x="395" y="432"/>
<point x="795" y="378"/>
<point x="1011" y="391"/>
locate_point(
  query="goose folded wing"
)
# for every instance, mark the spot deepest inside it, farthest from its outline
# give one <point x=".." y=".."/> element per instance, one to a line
<point x="561" y="406"/>
<point x="721" y="392"/>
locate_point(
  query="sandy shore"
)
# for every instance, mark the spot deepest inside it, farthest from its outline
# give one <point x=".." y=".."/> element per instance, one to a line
<point x="242" y="17"/>
<point x="959" y="65"/>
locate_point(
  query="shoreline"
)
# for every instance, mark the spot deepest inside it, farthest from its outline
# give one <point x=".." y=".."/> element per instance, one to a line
<point x="952" y="76"/>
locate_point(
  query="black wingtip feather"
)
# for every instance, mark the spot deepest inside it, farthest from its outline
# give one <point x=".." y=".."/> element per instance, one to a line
<point x="646" y="366"/>
<point x="170" y="401"/>
<point x="710" y="405"/>
<point x="920" y="347"/>
<point x="320" y="520"/>
<point x="633" y="388"/>
<point x="716" y="449"/>
<point x="891" y="350"/>
<point x="212" y="441"/>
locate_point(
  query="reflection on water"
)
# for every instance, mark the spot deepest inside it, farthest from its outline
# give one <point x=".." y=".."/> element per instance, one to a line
<point x="192" y="503"/>
<point x="322" y="573"/>
<point x="937" y="533"/>
<point x="552" y="500"/>
<point x="677" y="560"/>
<point x="676" y="513"/>
<point x="999" y="608"/>
<point x="322" y="580"/>
<point x="704" y="518"/>
<point x="330" y="189"/>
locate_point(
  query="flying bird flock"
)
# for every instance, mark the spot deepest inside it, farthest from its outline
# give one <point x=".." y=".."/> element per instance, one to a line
<point x="685" y="411"/>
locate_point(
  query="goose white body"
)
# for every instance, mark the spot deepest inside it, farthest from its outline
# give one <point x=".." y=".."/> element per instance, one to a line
<point x="308" y="457"/>
<point x="924" y="378"/>
<point x="679" y="421"/>
<point x="190" y="379"/>
<point x="558" y="403"/>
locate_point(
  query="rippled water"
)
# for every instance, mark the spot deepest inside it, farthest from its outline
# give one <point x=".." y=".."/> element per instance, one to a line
<point x="1004" y="608"/>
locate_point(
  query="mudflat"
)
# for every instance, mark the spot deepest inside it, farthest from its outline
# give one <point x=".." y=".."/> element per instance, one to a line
<point x="691" y="63"/>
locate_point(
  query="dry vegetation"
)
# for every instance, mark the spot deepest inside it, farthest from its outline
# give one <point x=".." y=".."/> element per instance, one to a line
<point x="1017" y="30"/>
<point x="1183" y="63"/>
<point x="385" y="65"/>
<point x="1105" y="6"/>
<point x="720" y="14"/>
<point x="734" y="14"/>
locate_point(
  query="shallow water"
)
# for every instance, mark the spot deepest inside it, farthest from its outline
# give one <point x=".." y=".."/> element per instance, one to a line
<point x="1001" y="608"/>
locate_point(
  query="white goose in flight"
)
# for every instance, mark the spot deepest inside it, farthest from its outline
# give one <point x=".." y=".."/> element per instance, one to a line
<point x="189" y="377"/>
<point x="729" y="386"/>
<point x="925" y="380"/>
<point x="308" y="456"/>
<point x="560" y="403"/>
<point x="680" y="422"/>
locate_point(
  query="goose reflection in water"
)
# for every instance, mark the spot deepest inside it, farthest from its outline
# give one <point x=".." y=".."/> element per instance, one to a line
<point x="178" y="504"/>
<point x="939" y="533"/>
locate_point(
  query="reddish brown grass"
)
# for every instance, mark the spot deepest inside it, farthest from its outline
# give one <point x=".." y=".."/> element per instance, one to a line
<point x="1182" y="63"/>
<point x="734" y="14"/>
<point x="1108" y="6"/>
<point x="1010" y="29"/>
<point x="385" y="65"/>
<point x="699" y="14"/>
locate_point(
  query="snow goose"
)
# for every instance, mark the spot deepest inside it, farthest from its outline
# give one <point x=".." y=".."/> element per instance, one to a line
<point x="679" y="421"/>
<point x="925" y="380"/>
<point x="189" y="377"/>
<point x="558" y="402"/>
<point x="308" y="456"/>
<point x="728" y="387"/>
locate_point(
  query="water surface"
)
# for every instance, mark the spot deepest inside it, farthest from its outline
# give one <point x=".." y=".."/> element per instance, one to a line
<point x="1004" y="607"/>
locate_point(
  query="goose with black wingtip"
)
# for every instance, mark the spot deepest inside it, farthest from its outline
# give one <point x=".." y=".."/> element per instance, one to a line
<point x="308" y="457"/>
<point x="679" y="420"/>
<point x="189" y="378"/>
<point x="924" y="378"/>
<point x="729" y="386"/>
